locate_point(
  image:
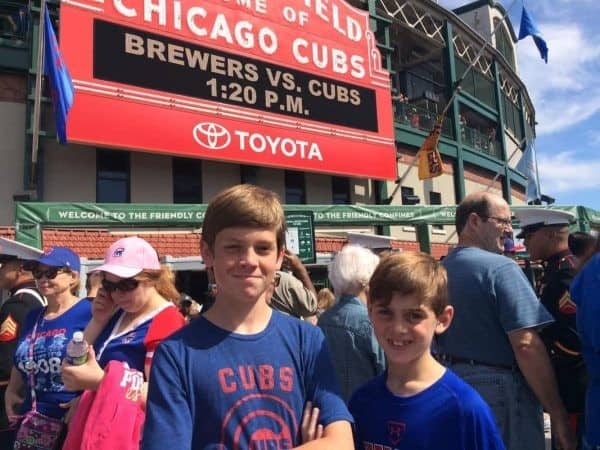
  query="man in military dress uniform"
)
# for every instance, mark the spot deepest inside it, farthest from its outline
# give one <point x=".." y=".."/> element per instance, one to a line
<point x="545" y="233"/>
<point x="23" y="296"/>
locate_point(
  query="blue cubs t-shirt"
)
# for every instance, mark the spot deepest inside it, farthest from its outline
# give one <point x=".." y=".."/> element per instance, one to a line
<point x="448" y="415"/>
<point x="49" y="348"/>
<point x="214" y="389"/>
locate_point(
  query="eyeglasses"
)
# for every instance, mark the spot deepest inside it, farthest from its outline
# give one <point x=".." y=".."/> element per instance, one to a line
<point x="50" y="273"/>
<point x="124" y="285"/>
<point x="500" y="220"/>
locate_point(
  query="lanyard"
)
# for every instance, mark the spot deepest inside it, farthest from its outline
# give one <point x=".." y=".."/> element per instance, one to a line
<point x="30" y="362"/>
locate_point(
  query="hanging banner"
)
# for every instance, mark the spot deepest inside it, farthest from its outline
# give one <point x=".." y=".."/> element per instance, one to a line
<point x="293" y="84"/>
<point x="174" y="215"/>
<point x="31" y="217"/>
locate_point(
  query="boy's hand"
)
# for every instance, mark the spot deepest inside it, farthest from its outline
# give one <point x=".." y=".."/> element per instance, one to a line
<point x="311" y="429"/>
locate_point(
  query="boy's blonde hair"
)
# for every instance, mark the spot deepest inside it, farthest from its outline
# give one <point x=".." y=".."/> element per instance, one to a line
<point x="244" y="205"/>
<point x="325" y="299"/>
<point x="410" y="273"/>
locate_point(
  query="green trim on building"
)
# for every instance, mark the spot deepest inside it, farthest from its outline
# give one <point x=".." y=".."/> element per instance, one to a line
<point x="454" y="112"/>
<point x="506" y="179"/>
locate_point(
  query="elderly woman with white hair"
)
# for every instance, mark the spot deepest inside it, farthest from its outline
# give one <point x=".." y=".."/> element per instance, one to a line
<point x="356" y="354"/>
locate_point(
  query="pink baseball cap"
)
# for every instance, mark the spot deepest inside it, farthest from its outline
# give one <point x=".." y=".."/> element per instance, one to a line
<point x="128" y="257"/>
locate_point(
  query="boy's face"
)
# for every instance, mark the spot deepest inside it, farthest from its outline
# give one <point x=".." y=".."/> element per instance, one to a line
<point x="244" y="261"/>
<point x="405" y="328"/>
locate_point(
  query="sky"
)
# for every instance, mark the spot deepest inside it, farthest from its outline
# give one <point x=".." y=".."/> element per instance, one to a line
<point x="565" y="94"/>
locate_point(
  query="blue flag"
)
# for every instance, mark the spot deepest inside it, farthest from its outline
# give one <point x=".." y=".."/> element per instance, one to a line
<point x="529" y="28"/>
<point x="60" y="80"/>
<point x="527" y="165"/>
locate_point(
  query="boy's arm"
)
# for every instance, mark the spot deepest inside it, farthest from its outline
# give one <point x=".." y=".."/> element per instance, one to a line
<point x="169" y="421"/>
<point x="336" y="435"/>
<point x="324" y="391"/>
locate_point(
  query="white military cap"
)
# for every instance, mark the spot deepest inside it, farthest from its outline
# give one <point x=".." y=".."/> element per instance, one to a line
<point x="532" y="219"/>
<point x="15" y="250"/>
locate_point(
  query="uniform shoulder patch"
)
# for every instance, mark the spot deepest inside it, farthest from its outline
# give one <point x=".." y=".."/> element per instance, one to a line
<point x="566" y="305"/>
<point x="9" y="329"/>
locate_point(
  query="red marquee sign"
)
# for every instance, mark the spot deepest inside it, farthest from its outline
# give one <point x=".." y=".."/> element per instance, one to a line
<point x="285" y="83"/>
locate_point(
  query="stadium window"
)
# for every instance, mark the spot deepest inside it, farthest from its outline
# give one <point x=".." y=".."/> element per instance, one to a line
<point x="249" y="174"/>
<point x="187" y="180"/>
<point x="504" y="44"/>
<point x="408" y="196"/>
<point x="340" y="190"/>
<point x="295" y="188"/>
<point x="113" y="176"/>
<point x="435" y="198"/>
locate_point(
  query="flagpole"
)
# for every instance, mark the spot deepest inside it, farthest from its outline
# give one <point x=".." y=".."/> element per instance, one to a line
<point x="455" y="90"/>
<point x="498" y="172"/>
<point x="537" y="179"/>
<point x="38" y="92"/>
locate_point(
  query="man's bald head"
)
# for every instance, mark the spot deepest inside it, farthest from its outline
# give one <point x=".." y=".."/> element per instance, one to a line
<point x="480" y="203"/>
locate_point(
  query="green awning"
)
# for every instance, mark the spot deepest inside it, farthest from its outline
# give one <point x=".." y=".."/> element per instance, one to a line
<point x="31" y="217"/>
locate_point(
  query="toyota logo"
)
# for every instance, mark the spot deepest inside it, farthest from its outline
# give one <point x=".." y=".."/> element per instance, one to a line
<point x="211" y="135"/>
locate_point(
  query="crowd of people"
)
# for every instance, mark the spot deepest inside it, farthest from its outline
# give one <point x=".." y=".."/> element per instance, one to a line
<point x="407" y="351"/>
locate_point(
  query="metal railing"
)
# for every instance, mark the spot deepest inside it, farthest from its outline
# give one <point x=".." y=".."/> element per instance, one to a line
<point x="481" y="142"/>
<point x="15" y="23"/>
<point x="424" y="119"/>
<point x="419" y="118"/>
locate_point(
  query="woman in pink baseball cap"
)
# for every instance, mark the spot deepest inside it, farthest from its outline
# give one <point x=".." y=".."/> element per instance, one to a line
<point x="132" y="313"/>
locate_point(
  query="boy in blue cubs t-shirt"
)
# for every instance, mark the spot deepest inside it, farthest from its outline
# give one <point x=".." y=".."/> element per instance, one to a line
<point x="417" y="403"/>
<point x="240" y="376"/>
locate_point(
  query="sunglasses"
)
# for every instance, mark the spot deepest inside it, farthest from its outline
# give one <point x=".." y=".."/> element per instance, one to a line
<point x="124" y="285"/>
<point x="50" y="273"/>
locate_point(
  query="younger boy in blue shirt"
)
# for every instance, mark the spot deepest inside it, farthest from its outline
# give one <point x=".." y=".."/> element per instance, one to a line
<point x="417" y="403"/>
<point x="239" y="376"/>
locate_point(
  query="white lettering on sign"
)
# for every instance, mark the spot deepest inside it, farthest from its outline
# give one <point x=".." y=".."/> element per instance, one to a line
<point x="346" y="26"/>
<point x="324" y="57"/>
<point x="223" y="28"/>
<point x="214" y="136"/>
<point x="259" y="143"/>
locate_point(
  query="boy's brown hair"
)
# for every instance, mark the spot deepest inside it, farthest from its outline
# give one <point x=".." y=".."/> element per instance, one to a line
<point x="410" y="273"/>
<point x="244" y="205"/>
